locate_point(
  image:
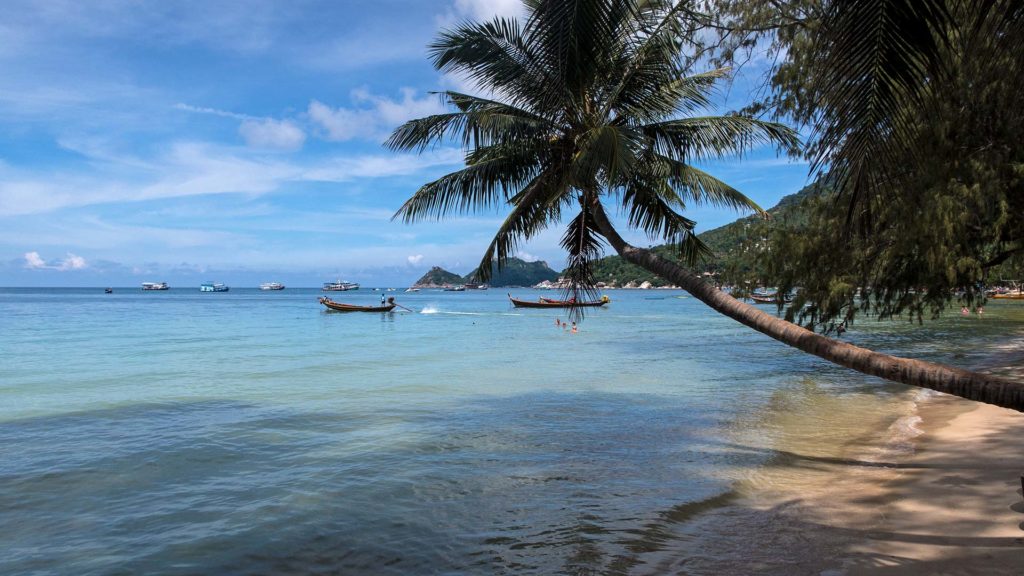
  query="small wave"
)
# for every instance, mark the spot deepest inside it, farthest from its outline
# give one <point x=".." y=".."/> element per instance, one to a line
<point x="898" y="439"/>
<point x="429" y="310"/>
<point x="903" y="430"/>
<point x="925" y="394"/>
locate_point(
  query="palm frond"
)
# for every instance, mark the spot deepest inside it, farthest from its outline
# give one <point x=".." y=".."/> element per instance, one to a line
<point x="649" y="209"/>
<point x="607" y="151"/>
<point x="670" y="95"/>
<point x="879" y="57"/>
<point x="652" y="84"/>
<point x="479" y="122"/>
<point x="490" y="175"/>
<point x="496" y="54"/>
<point x="583" y="243"/>
<point x="537" y="206"/>
<point x="702" y="188"/>
<point x="574" y="38"/>
<point x="712" y="137"/>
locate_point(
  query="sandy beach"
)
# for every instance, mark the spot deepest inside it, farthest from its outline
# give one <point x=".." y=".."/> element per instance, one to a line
<point x="939" y="492"/>
<point x="954" y="506"/>
<point x="948" y="504"/>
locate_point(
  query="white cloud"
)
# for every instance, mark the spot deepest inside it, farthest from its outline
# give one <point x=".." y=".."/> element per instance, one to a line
<point x="527" y="256"/>
<point x="341" y="123"/>
<point x="258" y="132"/>
<point x="489" y="8"/>
<point x="414" y="260"/>
<point x="72" y="262"/>
<point x="34" y="261"/>
<point x="269" y="133"/>
<point x="478" y="10"/>
<point x="373" y="117"/>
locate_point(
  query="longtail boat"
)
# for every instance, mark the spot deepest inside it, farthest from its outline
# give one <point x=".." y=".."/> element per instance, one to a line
<point x="768" y="299"/>
<point x="1018" y="295"/>
<point x="339" y="307"/>
<point x="1015" y="291"/>
<point x="549" y="303"/>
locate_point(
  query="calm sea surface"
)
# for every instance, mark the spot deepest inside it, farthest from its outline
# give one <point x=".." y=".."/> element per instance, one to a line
<point x="252" y="432"/>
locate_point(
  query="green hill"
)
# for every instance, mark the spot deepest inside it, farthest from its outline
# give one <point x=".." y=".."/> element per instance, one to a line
<point x="733" y="244"/>
<point x="517" y="272"/>
<point x="438" y="277"/>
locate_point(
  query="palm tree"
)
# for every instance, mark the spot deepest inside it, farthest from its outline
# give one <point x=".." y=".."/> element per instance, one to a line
<point x="590" y="106"/>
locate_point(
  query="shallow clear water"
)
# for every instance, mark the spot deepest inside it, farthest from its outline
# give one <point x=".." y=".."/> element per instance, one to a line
<point x="252" y="432"/>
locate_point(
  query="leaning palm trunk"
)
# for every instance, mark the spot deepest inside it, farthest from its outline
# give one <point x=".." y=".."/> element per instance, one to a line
<point x="964" y="383"/>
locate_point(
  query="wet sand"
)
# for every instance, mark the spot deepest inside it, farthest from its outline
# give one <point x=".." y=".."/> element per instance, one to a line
<point x="939" y="492"/>
<point x="954" y="506"/>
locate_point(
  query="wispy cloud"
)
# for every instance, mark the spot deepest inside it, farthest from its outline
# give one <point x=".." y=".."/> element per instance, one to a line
<point x="195" y="169"/>
<point x="372" y="116"/>
<point x="274" y="134"/>
<point x="258" y="132"/>
<point x="214" y="112"/>
<point x="346" y="169"/>
<point x="478" y="10"/>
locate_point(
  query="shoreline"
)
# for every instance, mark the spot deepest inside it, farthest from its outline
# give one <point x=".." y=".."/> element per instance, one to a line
<point x="935" y="490"/>
<point x="941" y="495"/>
<point x="959" y="501"/>
<point x="954" y="506"/>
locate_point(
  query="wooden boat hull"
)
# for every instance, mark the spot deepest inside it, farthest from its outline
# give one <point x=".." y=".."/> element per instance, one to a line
<point x="1009" y="296"/>
<point x="548" y="303"/>
<point x="768" y="299"/>
<point x="339" y="307"/>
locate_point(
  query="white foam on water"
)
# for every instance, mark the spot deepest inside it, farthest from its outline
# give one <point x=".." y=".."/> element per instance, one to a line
<point x="434" y="310"/>
<point x="898" y="440"/>
<point x="902" y="432"/>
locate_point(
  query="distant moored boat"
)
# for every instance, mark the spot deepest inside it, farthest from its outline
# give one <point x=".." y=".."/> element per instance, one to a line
<point x="212" y="287"/>
<point x="155" y="286"/>
<point x="271" y="286"/>
<point x="340" y="286"/>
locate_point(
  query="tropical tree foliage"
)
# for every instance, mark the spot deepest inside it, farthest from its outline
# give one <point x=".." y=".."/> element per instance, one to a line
<point x="591" y="107"/>
<point x="915" y="115"/>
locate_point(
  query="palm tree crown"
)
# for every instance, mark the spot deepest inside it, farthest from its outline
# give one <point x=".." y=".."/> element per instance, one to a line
<point x="590" y="102"/>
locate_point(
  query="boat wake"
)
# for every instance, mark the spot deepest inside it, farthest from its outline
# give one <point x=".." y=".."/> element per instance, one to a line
<point x="434" y="310"/>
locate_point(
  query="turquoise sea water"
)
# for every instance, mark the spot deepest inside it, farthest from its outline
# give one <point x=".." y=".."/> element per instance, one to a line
<point x="253" y="432"/>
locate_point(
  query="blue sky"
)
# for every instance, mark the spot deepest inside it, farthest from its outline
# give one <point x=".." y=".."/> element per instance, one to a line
<point x="241" y="142"/>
